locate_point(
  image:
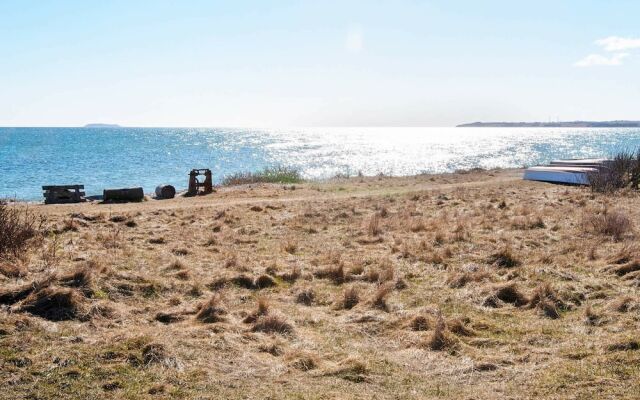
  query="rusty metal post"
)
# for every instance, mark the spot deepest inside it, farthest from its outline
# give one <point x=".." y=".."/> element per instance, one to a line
<point x="193" y="183"/>
<point x="208" y="181"/>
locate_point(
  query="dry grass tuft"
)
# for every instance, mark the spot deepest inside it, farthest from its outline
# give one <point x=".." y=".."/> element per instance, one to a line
<point x="293" y="275"/>
<point x="439" y="340"/>
<point x="622" y="304"/>
<point x="615" y="223"/>
<point x="262" y="310"/>
<point x="351" y="370"/>
<point x="55" y="304"/>
<point x="544" y="293"/>
<point x="211" y="311"/>
<point x="306" y="297"/>
<point x="290" y="246"/>
<point x="590" y="317"/>
<point x="335" y="273"/>
<point x="504" y="258"/>
<point x="273" y="323"/>
<point x="419" y="323"/>
<point x="157" y="354"/>
<point x="379" y="299"/>
<point x="373" y="227"/>
<point x="12" y="270"/>
<point x="627" y="268"/>
<point x="82" y="278"/>
<point x="510" y="293"/>
<point x="458" y="326"/>
<point x="264" y="281"/>
<point x="461" y="279"/>
<point x="243" y="281"/>
<point x="305" y="362"/>
<point x="625" y="345"/>
<point x="15" y="294"/>
<point x="350" y="298"/>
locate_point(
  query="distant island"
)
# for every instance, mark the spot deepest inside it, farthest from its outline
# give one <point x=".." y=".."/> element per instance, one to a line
<point x="569" y="124"/>
<point x="102" y="126"/>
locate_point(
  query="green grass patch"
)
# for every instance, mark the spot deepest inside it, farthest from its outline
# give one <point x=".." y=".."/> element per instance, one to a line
<point x="267" y="175"/>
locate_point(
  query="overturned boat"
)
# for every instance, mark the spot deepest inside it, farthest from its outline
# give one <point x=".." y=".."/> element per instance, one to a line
<point x="572" y="172"/>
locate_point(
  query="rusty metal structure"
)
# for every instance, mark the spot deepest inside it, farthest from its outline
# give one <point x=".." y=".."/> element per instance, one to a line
<point x="197" y="186"/>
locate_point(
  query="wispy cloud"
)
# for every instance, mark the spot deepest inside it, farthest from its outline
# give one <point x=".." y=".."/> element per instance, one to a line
<point x="354" y="41"/>
<point x="612" y="44"/>
<point x="599" y="60"/>
<point x="616" y="43"/>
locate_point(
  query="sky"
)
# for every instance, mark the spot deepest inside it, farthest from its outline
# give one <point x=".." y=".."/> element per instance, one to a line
<point x="317" y="63"/>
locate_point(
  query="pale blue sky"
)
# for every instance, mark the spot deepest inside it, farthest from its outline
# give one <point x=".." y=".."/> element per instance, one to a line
<point x="316" y="63"/>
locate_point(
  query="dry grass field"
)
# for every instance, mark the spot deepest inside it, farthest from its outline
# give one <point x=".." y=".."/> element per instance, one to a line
<point x="462" y="286"/>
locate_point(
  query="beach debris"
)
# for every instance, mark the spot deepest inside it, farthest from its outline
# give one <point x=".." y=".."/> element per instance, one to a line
<point x="165" y="192"/>
<point x="123" y="194"/>
<point x="195" y="185"/>
<point x="61" y="194"/>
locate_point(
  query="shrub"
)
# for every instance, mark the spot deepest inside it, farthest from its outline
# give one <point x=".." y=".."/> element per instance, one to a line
<point x="622" y="171"/>
<point x="17" y="226"/>
<point x="268" y="175"/>
<point x="614" y="223"/>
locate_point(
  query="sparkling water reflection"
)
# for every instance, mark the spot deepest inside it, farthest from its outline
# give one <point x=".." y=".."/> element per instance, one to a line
<point x="100" y="158"/>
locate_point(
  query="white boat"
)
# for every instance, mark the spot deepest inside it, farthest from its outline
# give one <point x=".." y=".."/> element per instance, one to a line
<point x="583" y="162"/>
<point x="559" y="174"/>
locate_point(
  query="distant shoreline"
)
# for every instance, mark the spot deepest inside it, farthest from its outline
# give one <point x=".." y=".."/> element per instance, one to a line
<point x="102" y="126"/>
<point x="569" y="124"/>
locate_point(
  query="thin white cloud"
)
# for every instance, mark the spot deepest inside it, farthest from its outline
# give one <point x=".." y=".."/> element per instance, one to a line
<point x="599" y="60"/>
<point x="354" y="41"/>
<point x="616" y="43"/>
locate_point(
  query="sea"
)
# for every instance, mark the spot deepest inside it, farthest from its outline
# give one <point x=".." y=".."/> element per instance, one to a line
<point x="103" y="158"/>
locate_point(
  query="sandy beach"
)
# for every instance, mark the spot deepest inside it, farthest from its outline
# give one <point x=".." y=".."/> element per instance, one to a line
<point x="471" y="285"/>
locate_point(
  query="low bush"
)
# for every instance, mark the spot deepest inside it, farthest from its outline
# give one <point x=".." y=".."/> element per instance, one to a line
<point x="17" y="226"/>
<point x="623" y="171"/>
<point x="612" y="223"/>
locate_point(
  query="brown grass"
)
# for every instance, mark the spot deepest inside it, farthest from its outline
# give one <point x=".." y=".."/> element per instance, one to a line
<point x="350" y="298"/>
<point x="439" y="339"/>
<point x="304" y="342"/>
<point x="211" y="311"/>
<point x="504" y="258"/>
<point x="379" y="299"/>
<point x="420" y="323"/>
<point x="56" y="304"/>
<point x="273" y="323"/>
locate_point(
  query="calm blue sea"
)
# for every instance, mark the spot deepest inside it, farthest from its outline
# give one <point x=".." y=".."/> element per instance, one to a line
<point x="123" y="157"/>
